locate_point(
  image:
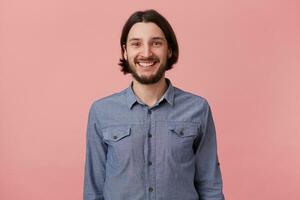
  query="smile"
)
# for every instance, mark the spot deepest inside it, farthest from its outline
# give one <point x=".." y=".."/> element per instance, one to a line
<point x="146" y="64"/>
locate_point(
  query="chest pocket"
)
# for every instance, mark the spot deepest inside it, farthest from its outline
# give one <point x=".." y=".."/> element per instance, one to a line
<point x="119" y="143"/>
<point x="181" y="138"/>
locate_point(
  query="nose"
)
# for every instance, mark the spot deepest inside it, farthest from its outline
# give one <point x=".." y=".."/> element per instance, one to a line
<point x="146" y="51"/>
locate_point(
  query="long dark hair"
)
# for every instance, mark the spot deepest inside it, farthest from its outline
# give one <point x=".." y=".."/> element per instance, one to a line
<point x="150" y="16"/>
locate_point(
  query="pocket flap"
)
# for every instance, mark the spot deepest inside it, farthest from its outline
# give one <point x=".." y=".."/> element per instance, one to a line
<point x="183" y="129"/>
<point x="115" y="133"/>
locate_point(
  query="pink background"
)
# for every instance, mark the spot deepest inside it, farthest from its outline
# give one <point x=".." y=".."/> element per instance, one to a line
<point x="58" y="56"/>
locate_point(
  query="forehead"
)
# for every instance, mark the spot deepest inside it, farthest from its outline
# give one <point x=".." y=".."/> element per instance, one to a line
<point x="145" y="30"/>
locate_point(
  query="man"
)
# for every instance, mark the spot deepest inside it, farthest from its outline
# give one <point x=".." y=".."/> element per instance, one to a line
<point x="151" y="140"/>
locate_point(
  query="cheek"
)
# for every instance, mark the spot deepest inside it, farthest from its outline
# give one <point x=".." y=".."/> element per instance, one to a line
<point x="163" y="53"/>
<point x="131" y="55"/>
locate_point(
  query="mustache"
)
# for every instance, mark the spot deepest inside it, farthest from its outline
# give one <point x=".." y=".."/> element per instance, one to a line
<point x="149" y="59"/>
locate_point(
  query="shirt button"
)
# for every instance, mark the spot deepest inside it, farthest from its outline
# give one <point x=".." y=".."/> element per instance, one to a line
<point x="150" y="189"/>
<point x="149" y="135"/>
<point x="149" y="163"/>
<point x="115" y="137"/>
<point x="149" y="112"/>
<point x="181" y="133"/>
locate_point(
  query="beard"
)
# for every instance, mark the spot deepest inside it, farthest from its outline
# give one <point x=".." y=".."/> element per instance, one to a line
<point x="154" y="78"/>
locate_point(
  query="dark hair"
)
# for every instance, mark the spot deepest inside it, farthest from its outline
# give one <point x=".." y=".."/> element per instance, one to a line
<point x="159" y="20"/>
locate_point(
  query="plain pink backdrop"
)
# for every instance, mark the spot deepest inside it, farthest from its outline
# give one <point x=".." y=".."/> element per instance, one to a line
<point x="58" y="56"/>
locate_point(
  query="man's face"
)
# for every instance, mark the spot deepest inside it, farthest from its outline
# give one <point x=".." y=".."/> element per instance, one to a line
<point x="146" y="52"/>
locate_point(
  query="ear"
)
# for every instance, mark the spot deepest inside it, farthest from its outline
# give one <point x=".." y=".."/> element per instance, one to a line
<point x="125" y="52"/>
<point x="169" y="53"/>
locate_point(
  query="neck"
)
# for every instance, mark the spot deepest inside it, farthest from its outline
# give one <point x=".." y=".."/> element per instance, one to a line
<point x="150" y="93"/>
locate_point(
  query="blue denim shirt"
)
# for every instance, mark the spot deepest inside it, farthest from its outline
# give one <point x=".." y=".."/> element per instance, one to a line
<point x="164" y="152"/>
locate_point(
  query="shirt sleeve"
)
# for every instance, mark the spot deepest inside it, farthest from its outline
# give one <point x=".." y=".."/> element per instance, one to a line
<point x="208" y="179"/>
<point x="94" y="171"/>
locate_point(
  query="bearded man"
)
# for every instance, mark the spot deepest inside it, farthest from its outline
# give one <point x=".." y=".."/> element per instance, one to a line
<point x="152" y="140"/>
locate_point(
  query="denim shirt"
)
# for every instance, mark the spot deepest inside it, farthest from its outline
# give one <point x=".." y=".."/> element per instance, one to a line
<point x="164" y="152"/>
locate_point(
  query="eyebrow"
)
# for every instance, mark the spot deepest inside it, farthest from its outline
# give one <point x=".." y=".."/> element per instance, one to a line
<point x="154" y="38"/>
<point x="158" y="38"/>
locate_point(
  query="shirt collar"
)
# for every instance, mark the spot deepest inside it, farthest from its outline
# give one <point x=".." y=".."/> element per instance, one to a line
<point x="168" y="95"/>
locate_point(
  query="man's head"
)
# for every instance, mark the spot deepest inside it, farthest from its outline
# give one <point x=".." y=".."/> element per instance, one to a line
<point x="148" y="46"/>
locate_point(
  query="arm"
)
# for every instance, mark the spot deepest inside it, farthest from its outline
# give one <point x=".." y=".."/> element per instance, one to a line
<point x="94" y="172"/>
<point x="208" y="179"/>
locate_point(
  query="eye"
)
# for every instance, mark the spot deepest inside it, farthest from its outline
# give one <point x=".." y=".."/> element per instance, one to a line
<point x="135" y="44"/>
<point x="157" y="43"/>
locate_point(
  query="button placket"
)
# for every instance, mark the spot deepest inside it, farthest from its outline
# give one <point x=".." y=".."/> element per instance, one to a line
<point x="151" y="151"/>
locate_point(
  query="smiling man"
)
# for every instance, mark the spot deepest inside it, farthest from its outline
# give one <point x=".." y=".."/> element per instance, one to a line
<point x="147" y="53"/>
<point x="152" y="140"/>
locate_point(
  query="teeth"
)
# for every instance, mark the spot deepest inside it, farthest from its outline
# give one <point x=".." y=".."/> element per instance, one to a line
<point x="146" y="64"/>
